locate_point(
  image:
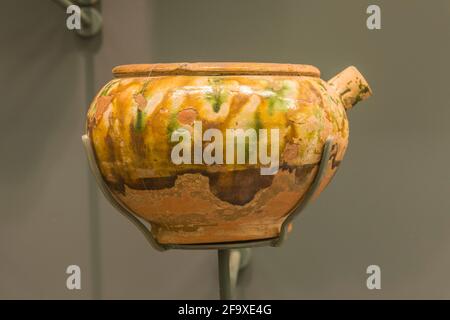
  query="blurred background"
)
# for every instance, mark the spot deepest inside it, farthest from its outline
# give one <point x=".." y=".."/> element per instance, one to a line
<point x="389" y="204"/>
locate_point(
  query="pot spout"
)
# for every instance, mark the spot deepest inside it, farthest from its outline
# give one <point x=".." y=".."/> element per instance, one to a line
<point x="350" y="86"/>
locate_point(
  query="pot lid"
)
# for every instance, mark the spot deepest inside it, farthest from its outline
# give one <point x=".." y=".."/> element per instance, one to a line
<point x="215" y="68"/>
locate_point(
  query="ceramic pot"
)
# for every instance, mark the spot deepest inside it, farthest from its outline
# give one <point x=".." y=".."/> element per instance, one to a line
<point x="167" y="142"/>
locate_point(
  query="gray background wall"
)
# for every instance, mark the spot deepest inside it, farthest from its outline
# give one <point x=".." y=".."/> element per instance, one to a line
<point x="388" y="205"/>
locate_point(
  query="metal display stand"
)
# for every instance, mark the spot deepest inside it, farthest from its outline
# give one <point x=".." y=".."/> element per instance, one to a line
<point x="233" y="256"/>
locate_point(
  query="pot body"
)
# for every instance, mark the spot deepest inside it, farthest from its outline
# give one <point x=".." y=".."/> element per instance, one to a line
<point x="143" y="131"/>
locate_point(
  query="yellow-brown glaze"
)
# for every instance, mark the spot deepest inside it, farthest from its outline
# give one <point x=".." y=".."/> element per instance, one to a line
<point x="130" y="123"/>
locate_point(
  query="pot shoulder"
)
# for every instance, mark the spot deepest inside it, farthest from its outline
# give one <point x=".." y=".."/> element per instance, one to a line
<point x="132" y="120"/>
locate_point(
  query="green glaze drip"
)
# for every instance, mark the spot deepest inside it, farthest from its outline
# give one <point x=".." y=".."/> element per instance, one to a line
<point x="172" y="125"/>
<point x="362" y="91"/>
<point x="106" y="89"/>
<point x="258" y="123"/>
<point x="277" y="102"/>
<point x="218" y="96"/>
<point x="139" y="124"/>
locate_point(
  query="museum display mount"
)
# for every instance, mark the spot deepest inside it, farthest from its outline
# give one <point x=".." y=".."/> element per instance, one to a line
<point x="203" y="201"/>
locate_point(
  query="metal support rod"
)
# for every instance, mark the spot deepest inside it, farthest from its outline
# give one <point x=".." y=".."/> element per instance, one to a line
<point x="231" y="262"/>
<point x="225" y="285"/>
<point x="323" y="165"/>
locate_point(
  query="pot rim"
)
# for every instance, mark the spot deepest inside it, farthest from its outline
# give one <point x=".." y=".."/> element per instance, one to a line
<point x="215" y="69"/>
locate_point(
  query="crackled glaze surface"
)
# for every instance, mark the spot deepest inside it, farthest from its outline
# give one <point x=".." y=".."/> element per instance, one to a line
<point x="131" y="120"/>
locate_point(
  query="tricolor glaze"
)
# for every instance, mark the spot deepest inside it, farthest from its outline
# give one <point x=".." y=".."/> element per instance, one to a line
<point x="131" y="120"/>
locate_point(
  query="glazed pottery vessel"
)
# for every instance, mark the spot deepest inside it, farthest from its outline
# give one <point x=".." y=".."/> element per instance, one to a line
<point x="167" y="142"/>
